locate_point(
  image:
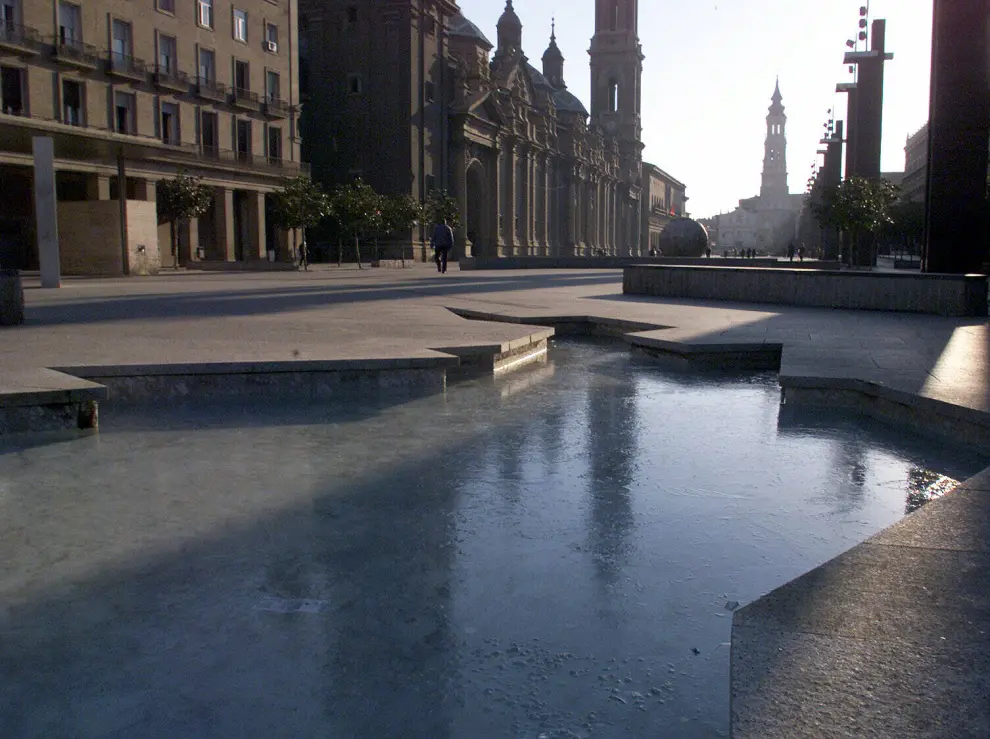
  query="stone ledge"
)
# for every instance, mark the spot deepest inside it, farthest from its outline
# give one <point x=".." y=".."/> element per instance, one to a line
<point x="938" y="294"/>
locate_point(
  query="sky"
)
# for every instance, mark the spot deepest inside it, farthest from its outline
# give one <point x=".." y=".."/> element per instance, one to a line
<point x="710" y="70"/>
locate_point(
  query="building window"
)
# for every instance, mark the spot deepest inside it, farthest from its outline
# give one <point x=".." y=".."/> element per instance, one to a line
<point x="208" y="133"/>
<point x="205" y="17"/>
<point x="431" y="25"/>
<point x="271" y="38"/>
<point x="243" y="139"/>
<point x="240" y="25"/>
<point x="431" y="183"/>
<point x="274" y="144"/>
<point x="72" y="102"/>
<point x="69" y="23"/>
<point x="272" y="85"/>
<point x="12" y="90"/>
<point x="242" y="76"/>
<point x="10" y="15"/>
<point x="170" y="123"/>
<point x="123" y="109"/>
<point x="122" y="45"/>
<point x="352" y="15"/>
<point x="167" y="6"/>
<point x="429" y="91"/>
<point x="613" y="96"/>
<point x="207" y="66"/>
<point x="167" y="53"/>
<point x="354" y="85"/>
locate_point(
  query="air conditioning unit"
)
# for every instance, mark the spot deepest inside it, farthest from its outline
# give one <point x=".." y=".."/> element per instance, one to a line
<point x="271" y="46"/>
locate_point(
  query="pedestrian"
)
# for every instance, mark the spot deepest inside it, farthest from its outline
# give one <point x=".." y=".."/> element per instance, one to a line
<point x="442" y="242"/>
<point x="708" y="252"/>
<point x="801" y="253"/>
<point x="303" y="256"/>
<point x="790" y="252"/>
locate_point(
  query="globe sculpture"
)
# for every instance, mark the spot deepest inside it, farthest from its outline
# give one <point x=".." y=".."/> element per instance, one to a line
<point x="684" y="237"/>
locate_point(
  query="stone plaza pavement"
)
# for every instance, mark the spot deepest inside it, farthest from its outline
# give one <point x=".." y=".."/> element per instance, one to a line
<point x="346" y="314"/>
<point x="891" y="639"/>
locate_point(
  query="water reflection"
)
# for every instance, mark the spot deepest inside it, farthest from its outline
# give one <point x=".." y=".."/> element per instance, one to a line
<point x="550" y="554"/>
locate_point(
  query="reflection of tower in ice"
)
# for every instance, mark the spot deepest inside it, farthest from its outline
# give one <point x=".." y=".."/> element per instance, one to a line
<point x="851" y="467"/>
<point x="392" y="590"/>
<point x="612" y="438"/>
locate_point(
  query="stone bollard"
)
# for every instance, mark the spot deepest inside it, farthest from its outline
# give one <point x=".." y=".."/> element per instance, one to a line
<point x="11" y="298"/>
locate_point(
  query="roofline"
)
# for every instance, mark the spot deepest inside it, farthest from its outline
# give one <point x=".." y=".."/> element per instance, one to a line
<point x="670" y="177"/>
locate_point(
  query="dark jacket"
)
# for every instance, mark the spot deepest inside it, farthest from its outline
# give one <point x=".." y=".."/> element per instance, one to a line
<point x="443" y="237"/>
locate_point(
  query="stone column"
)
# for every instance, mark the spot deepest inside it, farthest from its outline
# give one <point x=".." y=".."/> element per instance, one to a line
<point x="955" y="203"/>
<point x="189" y="240"/>
<point x="571" y="228"/>
<point x="495" y="185"/>
<point x="531" y="168"/>
<point x="98" y="187"/>
<point x="546" y="204"/>
<point x="509" y="211"/>
<point x="45" y="210"/>
<point x="256" y="246"/>
<point x="461" y="160"/>
<point x="223" y="206"/>
<point x="145" y="190"/>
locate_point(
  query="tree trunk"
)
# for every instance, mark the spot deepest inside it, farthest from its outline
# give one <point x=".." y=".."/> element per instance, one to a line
<point x="377" y="254"/>
<point x="174" y="237"/>
<point x="357" y="251"/>
<point x="340" y="251"/>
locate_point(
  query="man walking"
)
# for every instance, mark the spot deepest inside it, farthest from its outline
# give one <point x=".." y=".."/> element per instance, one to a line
<point x="442" y="242"/>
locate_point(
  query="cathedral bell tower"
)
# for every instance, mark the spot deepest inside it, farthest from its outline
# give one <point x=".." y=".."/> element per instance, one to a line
<point x="617" y="71"/>
<point x="774" y="185"/>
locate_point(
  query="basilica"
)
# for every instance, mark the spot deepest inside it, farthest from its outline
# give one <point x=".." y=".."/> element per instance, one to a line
<point x="534" y="172"/>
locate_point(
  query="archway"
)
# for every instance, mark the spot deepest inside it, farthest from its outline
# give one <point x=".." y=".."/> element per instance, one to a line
<point x="476" y="219"/>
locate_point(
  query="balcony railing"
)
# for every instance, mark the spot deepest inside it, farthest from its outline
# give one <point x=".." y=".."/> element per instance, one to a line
<point x="212" y="90"/>
<point x="172" y="79"/>
<point x="75" y="53"/>
<point x="276" y="107"/>
<point x="246" y="99"/>
<point x="20" y="39"/>
<point x="153" y="148"/>
<point x="124" y="65"/>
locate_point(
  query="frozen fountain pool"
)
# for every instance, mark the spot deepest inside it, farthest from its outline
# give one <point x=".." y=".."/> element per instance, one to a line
<point x="551" y="554"/>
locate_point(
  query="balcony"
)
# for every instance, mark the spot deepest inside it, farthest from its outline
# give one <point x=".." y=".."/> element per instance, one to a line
<point x="127" y="67"/>
<point x="74" y="53"/>
<point x="276" y="108"/>
<point x="212" y="90"/>
<point x="171" y="79"/>
<point x="20" y="39"/>
<point x="245" y="99"/>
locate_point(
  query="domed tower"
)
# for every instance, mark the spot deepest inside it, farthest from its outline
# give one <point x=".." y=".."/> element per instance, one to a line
<point x="509" y="32"/>
<point x="774" y="185"/>
<point x="553" y="60"/>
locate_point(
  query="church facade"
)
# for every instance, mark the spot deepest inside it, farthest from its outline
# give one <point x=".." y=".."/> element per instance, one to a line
<point x="535" y="172"/>
<point x="769" y="221"/>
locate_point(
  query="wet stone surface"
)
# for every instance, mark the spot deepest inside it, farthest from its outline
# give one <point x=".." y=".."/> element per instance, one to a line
<point x="556" y="553"/>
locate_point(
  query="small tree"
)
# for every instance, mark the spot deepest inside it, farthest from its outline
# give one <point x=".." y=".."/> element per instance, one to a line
<point x="440" y="206"/>
<point x="178" y="200"/>
<point x="859" y="207"/>
<point x="299" y="203"/>
<point x="400" y="213"/>
<point x="357" y="212"/>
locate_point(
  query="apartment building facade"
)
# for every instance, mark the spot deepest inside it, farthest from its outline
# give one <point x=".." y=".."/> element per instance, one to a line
<point x="131" y="92"/>
<point x="664" y="199"/>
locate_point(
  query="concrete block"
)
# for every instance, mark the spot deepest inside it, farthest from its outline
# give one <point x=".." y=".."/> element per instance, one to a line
<point x="938" y="294"/>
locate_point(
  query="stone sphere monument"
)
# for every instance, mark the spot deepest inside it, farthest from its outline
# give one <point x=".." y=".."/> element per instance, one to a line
<point x="684" y="237"/>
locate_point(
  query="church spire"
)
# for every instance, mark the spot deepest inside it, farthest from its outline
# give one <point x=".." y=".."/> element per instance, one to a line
<point x="553" y="59"/>
<point x="509" y="31"/>
<point x="775" y="155"/>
